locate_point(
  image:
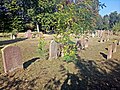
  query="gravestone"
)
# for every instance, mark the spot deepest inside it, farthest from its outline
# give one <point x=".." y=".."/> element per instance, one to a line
<point x="86" y="43"/>
<point x="101" y="33"/>
<point x="41" y="35"/>
<point x="114" y="46"/>
<point x="107" y="38"/>
<point x="53" y="50"/>
<point x="80" y="44"/>
<point x="28" y="34"/>
<point x="98" y="33"/>
<point x="11" y="58"/>
<point x="109" y="55"/>
<point x="13" y="36"/>
<point x="118" y="43"/>
<point x="101" y="39"/>
<point x="93" y="35"/>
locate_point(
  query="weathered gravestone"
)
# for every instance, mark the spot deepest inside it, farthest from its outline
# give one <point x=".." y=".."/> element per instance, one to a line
<point x="109" y="55"/>
<point x="80" y="44"/>
<point x="114" y="46"/>
<point x="86" y="43"/>
<point x="11" y="58"/>
<point x="28" y="34"/>
<point x="53" y="50"/>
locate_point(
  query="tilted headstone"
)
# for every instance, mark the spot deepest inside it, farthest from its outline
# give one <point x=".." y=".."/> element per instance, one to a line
<point x="11" y="58"/>
<point x="28" y="34"/>
<point x="53" y="50"/>
<point x="114" y="46"/>
<point x="109" y="55"/>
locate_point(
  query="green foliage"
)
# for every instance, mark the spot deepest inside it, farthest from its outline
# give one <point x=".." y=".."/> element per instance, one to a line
<point x="106" y="22"/>
<point x="29" y="26"/>
<point x="70" y="52"/>
<point x="14" y="32"/>
<point x="41" y="48"/>
<point x="99" y="24"/>
<point x="116" y="27"/>
<point x="11" y="19"/>
<point x="71" y="19"/>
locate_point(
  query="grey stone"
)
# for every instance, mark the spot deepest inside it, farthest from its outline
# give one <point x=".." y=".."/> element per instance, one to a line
<point x="53" y="50"/>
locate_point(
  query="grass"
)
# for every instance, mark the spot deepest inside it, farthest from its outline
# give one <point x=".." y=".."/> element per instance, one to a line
<point x="92" y="71"/>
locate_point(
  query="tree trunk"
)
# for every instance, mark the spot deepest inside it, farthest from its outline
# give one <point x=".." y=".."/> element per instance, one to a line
<point x="38" y="30"/>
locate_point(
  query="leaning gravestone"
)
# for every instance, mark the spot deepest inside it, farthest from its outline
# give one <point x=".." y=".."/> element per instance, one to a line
<point x="114" y="46"/>
<point x="11" y="58"/>
<point x="109" y="55"/>
<point x="53" y="50"/>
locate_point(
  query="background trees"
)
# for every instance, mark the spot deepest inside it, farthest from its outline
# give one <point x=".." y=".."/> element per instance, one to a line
<point x="15" y="14"/>
<point x="108" y="21"/>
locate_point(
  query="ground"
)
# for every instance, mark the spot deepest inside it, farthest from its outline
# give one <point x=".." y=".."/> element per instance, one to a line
<point x="91" y="72"/>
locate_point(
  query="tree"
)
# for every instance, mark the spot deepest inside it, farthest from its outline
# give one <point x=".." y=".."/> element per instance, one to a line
<point x="113" y="18"/>
<point x="99" y="24"/>
<point x="106" y="22"/>
<point x="116" y="27"/>
<point x="11" y="18"/>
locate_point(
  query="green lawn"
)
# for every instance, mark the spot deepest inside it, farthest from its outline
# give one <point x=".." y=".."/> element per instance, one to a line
<point x="91" y="71"/>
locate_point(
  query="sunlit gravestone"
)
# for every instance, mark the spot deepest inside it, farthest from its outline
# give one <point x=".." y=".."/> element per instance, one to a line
<point x="109" y="55"/>
<point x="53" y="50"/>
<point x="114" y="46"/>
<point x="12" y="58"/>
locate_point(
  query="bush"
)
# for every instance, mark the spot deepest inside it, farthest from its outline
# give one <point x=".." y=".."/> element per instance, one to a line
<point x="41" y="48"/>
<point x="116" y="27"/>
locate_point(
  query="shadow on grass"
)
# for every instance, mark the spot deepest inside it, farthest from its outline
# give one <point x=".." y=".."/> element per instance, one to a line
<point x="11" y="41"/>
<point x="90" y="76"/>
<point x="104" y="55"/>
<point x="16" y="83"/>
<point x="29" y="62"/>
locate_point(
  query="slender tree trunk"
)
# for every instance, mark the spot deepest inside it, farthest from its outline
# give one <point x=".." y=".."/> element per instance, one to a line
<point x="38" y="30"/>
